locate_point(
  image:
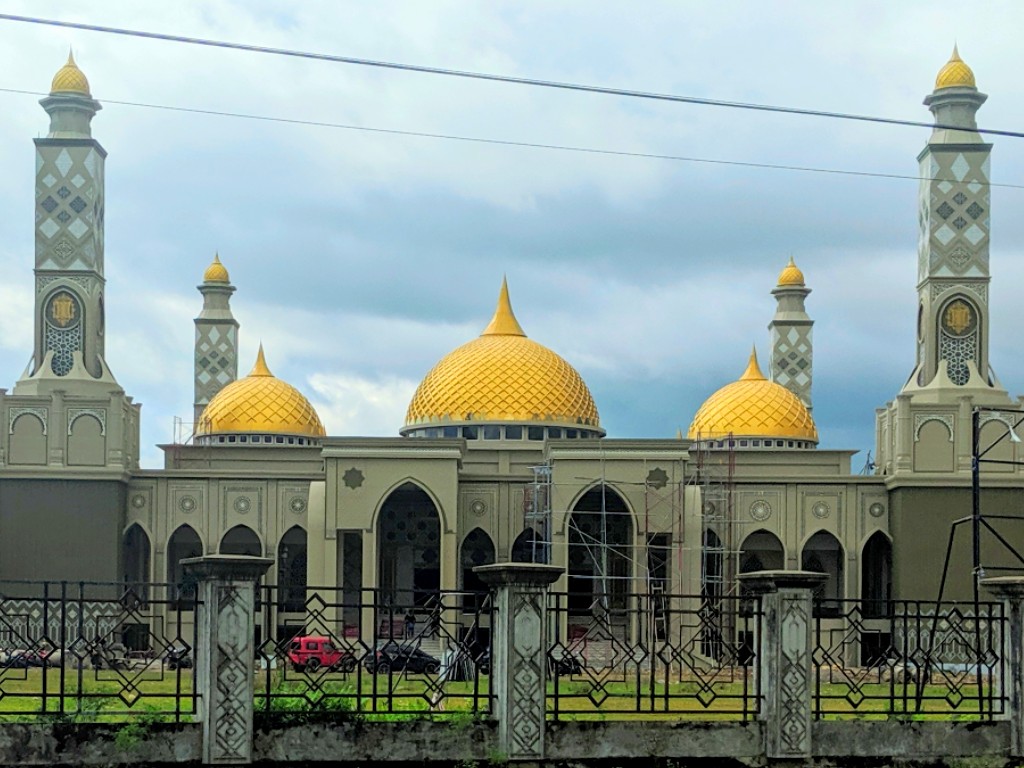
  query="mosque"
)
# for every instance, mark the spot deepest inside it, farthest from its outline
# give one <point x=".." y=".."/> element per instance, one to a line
<point x="502" y="455"/>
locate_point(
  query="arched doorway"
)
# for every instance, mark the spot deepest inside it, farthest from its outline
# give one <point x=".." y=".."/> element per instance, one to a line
<point x="241" y="540"/>
<point x="183" y="544"/>
<point x="291" y="570"/>
<point x="477" y="549"/>
<point x="823" y="553"/>
<point x="409" y="548"/>
<point x="876" y="575"/>
<point x="136" y="553"/>
<point x="600" y="553"/>
<point x="762" y="551"/>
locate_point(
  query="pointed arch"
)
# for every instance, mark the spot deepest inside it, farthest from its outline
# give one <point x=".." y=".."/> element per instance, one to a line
<point x="823" y="553"/>
<point x="409" y="546"/>
<point x="241" y="540"/>
<point x="182" y="544"/>
<point x="762" y="550"/>
<point x="408" y="481"/>
<point x="136" y="553"/>
<point x="292" y="572"/>
<point x="600" y="554"/>
<point x="876" y="575"/>
<point x="477" y="549"/>
<point x="529" y="547"/>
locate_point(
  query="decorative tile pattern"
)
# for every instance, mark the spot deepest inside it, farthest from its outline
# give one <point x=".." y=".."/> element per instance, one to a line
<point x="232" y="676"/>
<point x="794" y="727"/>
<point x="958" y="352"/>
<point x="100" y="414"/>
<point x="14" y="413"/>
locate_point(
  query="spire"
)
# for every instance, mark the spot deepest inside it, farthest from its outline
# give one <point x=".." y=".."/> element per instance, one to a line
<point x="70" y="79"/>
<point x="753" y="372"/>
<point x="955" y="73"/>
<point x="216" y="272"/>
<point x="260" y="368"/>
<point x="791" y="274"/>
<point x="504" y="322"/>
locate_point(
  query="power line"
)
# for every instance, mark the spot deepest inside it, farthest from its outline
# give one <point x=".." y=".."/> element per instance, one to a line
<point x="508" y="79"/>
<point x="520" y="144"/>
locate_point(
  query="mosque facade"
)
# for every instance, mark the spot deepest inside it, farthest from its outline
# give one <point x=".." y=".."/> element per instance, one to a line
<point x="502" y="455"/>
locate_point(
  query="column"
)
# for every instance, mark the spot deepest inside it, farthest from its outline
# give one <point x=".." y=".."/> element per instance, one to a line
<point x="785" y="662"/>
<point x="1010" y="589"/>
<point x="225" y="653"/>
<point x="519" y="640"/>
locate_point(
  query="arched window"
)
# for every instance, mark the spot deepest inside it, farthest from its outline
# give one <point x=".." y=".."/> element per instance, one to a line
<point x="291" y="570"/>
<point x="241" y="540"/>
<point x="823" y="553"/>
<point x="529" y="547"/>
<point x="876" y="576"/>
<point x="762" y="551"/>
<point x="477" y="549"/>
<point x="600" y="552"/>
<point x="184" y="543"/>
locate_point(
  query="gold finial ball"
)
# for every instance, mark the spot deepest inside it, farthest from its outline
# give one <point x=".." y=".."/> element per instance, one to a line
<point x="791" y="274"/>
<point x="955" y="74"/>
<point x="216" y="272"/>
<point x="70" y="79"/>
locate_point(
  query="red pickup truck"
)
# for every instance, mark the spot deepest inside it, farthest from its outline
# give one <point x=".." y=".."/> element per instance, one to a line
<point x="311" y="652"/>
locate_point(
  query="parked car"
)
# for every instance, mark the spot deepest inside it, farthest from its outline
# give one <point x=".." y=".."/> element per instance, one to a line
<point x="390" y="655"/>
<point x="178" y="657"/>
<point x="564" y="665"/>
<point x="311" y="652"/>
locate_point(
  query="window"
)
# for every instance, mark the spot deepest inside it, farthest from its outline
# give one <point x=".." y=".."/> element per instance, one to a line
<point x="470" y="433"/>
<point x="572" y="434"/>
<point x="492" y="433"/>
<point x="535" y="433"/>
<point x="513" y="433"/>
<point x="757" y="443"/>
<point x="554" y="431"/>
<point x="450" y="432"/>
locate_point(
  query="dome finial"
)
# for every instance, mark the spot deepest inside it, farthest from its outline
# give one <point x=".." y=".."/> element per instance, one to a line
<point x="260" y="368"/>
<point x="70" y="79"/>
<point x="753" y="372"/>
<point x="504" y="322"/>
<point x="955" y="73"/>
<point x="791" y="274"/>
<point x="216" y="272"/>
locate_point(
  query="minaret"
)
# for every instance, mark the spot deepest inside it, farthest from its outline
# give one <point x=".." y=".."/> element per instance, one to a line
<point x="216" y="348"/>
<point x="953" y="247"/>
<point x="792" y="346"/>
<point x="69" y="322"/>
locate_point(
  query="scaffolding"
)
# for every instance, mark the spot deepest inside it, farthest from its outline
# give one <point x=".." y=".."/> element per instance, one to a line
<point x="714" y="473"/>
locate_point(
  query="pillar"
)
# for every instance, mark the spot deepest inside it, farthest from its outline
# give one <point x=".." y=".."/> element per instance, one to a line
<point x="1010" y="589"/>
<point x="225" y="654"/>
<point x="519" y="642"/>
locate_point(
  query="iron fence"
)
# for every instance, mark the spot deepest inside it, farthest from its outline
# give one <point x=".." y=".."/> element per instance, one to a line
<point x="656" y="654"/>
<point x="95" y="651"/>
<point x="334" y="652"/>
<point x="910" y="658"/>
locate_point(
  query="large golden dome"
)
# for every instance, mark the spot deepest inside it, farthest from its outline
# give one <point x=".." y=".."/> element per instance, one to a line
<point x="502" y="376"/>
<point x="70" y="79"/>
<point x="752" y="406"/>
<point x="955" y="74"/>
<point x="259" y="404"/>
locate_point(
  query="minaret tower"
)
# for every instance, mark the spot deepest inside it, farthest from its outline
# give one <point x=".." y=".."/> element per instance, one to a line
<point x="792" y="347"/>
<point x="69" y="322"/>
<point x="216" y="349"/>
<point x="953" y="248"/>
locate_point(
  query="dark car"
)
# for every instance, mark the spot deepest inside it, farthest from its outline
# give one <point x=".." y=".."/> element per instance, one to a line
<point x="564" y="665"/>
<point x="400" y="657"/>
<point x="178" y="657"/>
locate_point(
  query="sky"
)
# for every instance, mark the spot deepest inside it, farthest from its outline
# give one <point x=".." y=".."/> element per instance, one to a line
<point x="362" y="258"/>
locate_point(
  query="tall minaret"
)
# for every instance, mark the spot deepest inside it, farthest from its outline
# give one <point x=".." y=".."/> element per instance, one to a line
<point x="216" y="349"/>
<point x="69" y="322"/>
<point x="953" y="247"/>
<point x="792" y="347"/>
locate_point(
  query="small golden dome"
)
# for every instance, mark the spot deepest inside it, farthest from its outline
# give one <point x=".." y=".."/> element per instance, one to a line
<point x="216" y="272"/>
<point x="791" y="274"/>
<point x="262" y="404"/>
<point x="956" y="74"/>
<point x="70" y="79"/>
<point x="752" y="406"/>
<point x="505" y="377"/>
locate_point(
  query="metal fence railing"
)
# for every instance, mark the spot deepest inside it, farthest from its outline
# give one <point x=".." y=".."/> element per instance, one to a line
<point x="658" y="655"/>
<point x="96" y="651"/>
<point x="331" y="653"/>
<point x="909" y="658"/>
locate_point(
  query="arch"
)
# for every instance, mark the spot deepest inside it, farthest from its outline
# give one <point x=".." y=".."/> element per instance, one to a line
<point x="876" y="575"/>
<point x="136" y="554"/>
<point x="762" y="550"/>
<point x="995" y="441"/>
<point x="477" y="549"/>
<point x="183" y="543"/>
<point x="241" y="540"/>
<point x="28" y="438"/>
<point x="409" y="546"/>
<point x="600" y="551"/>
<point x="596" y="488"/>
<point x="529" y="547"/>
<point x="408" y="480"/>
<point x="292" y="571"/>
<point x="823" y="553"/>
<point x="86" y="440"/>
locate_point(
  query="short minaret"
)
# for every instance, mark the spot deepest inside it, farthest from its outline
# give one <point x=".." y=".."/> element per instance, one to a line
<point x="954" y="210"/>
<point x="69" y="322"/>
<point x="792" y="348"/>
<point x="216" y="349"/>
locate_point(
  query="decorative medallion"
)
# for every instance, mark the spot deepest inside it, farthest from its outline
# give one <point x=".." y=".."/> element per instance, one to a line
<point x="242" y="505"/>
<point x="187" y="503"/>
<point x="478" y="507"/>
<point x="709" y="508"/>
<point x="959" y="318"/>
<point x="297" y="505"/>
<point x="657" y="478"/>
<point x="960" y="256"/>
<point x="760" y="510"/>
<point x="820" y="510"/>
<point x="62" y="310"/>
<point x="352" y="478"/>
<point x="138" y="501"/>
<point x="877" y="509"/>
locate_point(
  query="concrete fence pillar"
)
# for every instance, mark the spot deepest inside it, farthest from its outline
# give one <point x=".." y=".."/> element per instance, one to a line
<point x="225" y="656"/>
<point x="519" y="642"/>
<point x="785" y="658"/>
<point x="1010" y="590"/>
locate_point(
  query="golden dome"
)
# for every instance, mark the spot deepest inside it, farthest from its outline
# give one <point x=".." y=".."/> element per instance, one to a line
<point x="956" y="74"/>
<point x="505" y="377"/>
<point x="260" y="403"/>
<point x="752" y="406"/>
<point x="70" y="79"/>
<point x="791" y="274"/>
<point x="216" y="272"/>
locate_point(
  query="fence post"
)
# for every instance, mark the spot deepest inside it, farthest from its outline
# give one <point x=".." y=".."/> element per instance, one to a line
<point x="785" y="658"/>
<point x="225" y="656"/>
<point x="519" y="642"/>
<point x="1010" y="590"/>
